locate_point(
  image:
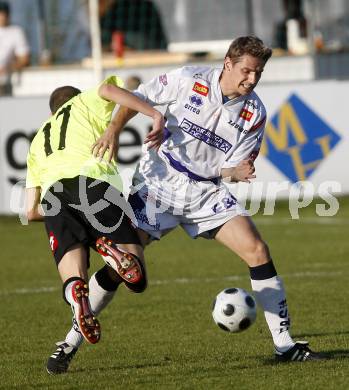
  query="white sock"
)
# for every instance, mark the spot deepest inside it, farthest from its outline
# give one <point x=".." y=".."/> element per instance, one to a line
<point x="270" y="294"/>
<point x="74" y="337"/>
<point x="99" y="299"/>
<point x="68" y="292"/>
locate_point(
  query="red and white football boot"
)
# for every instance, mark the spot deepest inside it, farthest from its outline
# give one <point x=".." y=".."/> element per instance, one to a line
<point x="125" y="264"/>
<point x="87" y="322"/>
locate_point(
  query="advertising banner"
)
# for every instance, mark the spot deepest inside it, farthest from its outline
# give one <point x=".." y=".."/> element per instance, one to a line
<point x="305" y="146"/>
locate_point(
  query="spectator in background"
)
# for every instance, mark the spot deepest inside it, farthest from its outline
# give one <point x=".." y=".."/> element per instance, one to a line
<point x="292" y="9"/>
<point x="14" y="49"/>
<point x="138" y="20"/>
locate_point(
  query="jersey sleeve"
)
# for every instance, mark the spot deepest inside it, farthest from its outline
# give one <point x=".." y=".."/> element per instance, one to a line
<point x="100" y="107"/>
<point x="33" y="178"/>
<point x="161" y="90"/>
<point x="250" y="146"/>
<point x="113" y="80"/>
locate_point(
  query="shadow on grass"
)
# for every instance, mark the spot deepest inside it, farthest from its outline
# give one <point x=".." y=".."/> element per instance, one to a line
<point x="338" y="354"/>
<point x="305" y="335"/>
<point x="162" y="363"/>
<point x="329" y="355"/>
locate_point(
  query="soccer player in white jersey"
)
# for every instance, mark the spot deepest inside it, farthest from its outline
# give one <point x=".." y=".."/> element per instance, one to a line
<point x="213" y="132"/>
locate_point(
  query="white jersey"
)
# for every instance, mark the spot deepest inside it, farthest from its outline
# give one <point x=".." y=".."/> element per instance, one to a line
<point x="204" y="134"/>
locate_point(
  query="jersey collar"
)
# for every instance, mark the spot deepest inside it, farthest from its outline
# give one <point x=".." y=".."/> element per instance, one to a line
<point x="216" y="88"/>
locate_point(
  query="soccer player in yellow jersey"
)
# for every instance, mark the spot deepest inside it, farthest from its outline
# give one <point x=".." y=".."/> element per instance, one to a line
<point x="80" y="199"/>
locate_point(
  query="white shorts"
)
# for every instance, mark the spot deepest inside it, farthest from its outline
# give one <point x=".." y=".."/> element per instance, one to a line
<point x="163" y="198"/>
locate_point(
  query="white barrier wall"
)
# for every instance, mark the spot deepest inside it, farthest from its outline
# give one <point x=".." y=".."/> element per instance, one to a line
<point x="307" y="139"/>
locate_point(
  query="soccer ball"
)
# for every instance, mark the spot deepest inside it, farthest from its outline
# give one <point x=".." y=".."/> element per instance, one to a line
<point x="234" y="310"/>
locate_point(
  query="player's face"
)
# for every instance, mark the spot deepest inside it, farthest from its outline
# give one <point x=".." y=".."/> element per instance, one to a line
<point x="241" y="77"/>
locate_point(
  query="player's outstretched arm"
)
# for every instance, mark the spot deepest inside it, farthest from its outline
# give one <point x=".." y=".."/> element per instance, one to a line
<point x="244" y="171"/>
<point x="130" y="106"/>
<point x="109" y="141"/>
<point x="33" y="209"/>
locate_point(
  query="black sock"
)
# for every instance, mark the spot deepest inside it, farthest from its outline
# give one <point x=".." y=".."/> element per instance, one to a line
<point x="264" y="271"/>
<point x="105" y="281"/>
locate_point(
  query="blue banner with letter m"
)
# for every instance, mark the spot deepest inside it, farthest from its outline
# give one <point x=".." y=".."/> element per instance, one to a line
<point x="297" y="140"/>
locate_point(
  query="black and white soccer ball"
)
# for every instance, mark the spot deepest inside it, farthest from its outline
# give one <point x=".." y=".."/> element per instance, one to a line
<point x="234" y="310"/>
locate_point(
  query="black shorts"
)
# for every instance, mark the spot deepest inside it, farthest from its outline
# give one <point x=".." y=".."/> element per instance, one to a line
<point x="77" y="212"/>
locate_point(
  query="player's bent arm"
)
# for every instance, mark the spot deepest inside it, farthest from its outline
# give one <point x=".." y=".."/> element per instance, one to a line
<point x="109" y="141"/>
<point x="228" y="175"/>
<point x="33" y="209"/>
<point x="130" y="106"/>
<point x="242" y="162"/>
<point x="244" y="171"/>
<point x="120" y="119"/>
<point x="125" y="98"/>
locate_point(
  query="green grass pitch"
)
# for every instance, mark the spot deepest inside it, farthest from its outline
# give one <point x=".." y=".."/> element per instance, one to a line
<point x="166" y="338"/>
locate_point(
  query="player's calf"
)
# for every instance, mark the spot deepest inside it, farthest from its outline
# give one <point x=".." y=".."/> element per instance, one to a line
<point x="127" y="265"/>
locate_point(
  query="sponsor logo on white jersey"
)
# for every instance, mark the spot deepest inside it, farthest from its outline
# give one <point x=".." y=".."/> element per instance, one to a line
<point x="201" y="89"/>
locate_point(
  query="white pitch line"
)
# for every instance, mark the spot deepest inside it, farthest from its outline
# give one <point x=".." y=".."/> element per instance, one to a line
<point x="232" y="278"/>
<point x="20" y="291"/>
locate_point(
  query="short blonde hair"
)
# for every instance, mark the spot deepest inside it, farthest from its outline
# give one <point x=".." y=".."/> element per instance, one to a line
<point x="248" y="45"/>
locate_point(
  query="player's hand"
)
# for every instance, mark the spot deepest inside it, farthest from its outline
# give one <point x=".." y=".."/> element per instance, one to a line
<point x="244" y="172"/>
<point x="109" y="141"/>
<point x="155" y="137"/>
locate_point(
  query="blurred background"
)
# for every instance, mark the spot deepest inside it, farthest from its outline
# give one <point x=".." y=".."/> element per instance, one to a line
<point x="79" y="42"/>
<point x="153" y="32"/>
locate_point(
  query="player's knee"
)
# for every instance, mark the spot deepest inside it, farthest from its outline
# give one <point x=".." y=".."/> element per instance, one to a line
<point x="258" y="253"/>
